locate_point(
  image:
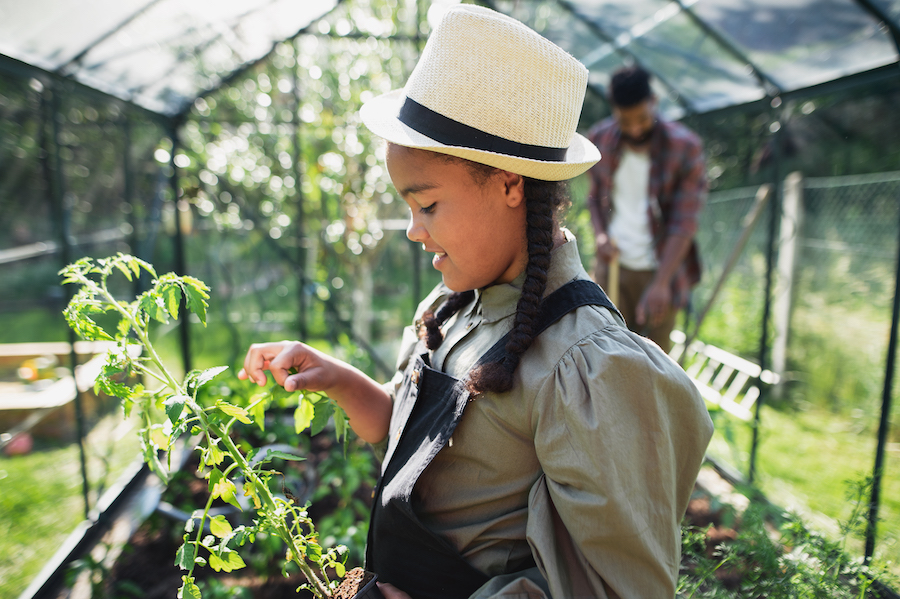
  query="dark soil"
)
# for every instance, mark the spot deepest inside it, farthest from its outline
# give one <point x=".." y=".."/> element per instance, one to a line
<point x="353" y="583"/>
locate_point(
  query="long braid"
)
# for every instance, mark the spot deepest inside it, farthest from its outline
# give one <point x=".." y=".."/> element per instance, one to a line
<point x="431" y="322"/>
<point x="543" y="200"/>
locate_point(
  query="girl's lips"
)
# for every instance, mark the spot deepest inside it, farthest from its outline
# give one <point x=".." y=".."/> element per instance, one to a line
<point x="438" y="259"/>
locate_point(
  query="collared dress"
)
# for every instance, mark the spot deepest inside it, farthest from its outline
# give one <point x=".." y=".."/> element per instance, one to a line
<point x="574" y="483"/>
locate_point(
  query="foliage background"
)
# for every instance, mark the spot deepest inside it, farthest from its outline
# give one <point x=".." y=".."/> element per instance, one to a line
<point x="288" y="214"/>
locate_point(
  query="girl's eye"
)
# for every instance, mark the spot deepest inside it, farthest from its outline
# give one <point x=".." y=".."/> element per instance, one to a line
<point x="426" y="209"/>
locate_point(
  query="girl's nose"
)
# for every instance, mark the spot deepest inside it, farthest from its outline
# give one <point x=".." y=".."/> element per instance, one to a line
<point x="414" y="229"/>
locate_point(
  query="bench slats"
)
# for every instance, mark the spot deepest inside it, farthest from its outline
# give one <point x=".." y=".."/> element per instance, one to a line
<point x="723" y="379"/>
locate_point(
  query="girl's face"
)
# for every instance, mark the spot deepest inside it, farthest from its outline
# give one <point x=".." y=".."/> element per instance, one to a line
<point x="475" y="229"/>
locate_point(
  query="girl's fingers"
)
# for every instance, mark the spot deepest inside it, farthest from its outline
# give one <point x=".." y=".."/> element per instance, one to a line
<point x="256" y="362"/>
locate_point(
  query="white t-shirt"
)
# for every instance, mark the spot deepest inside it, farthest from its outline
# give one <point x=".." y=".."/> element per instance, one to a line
<point x="630" y="225"/>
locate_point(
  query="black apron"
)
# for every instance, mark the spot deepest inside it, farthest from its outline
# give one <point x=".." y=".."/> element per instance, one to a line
<point x="429" y="404"/>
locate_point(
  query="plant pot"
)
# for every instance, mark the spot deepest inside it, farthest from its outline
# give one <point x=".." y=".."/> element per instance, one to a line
<point x="359" y="584"/>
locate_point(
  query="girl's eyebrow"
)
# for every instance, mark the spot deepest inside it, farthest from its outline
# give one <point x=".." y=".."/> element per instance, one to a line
<point x="417" y="188"/>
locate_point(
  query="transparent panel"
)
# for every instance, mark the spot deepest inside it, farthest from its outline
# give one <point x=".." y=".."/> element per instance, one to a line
<point x="802" y="42"/>
<point x="50" y="33"/>
<point x="162" y="55"/>
<point x="891" y="8"/>
<point x="97" y="183"/>
<point x="705" y="73"/>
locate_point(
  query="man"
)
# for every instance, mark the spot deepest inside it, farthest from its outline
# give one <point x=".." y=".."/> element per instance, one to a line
<point x="646" y="193"/>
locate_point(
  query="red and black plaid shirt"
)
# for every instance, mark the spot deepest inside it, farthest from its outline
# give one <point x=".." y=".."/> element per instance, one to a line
<point x="677" y="184"/>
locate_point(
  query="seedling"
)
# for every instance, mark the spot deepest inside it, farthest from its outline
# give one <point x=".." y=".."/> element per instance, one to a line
<point x="221" y="461"/>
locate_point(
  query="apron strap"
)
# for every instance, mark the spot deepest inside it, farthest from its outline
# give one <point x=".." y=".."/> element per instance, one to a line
<point x="574" y="294"/>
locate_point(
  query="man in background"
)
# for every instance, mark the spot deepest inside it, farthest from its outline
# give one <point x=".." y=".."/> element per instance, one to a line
<point x="645" y="196"/>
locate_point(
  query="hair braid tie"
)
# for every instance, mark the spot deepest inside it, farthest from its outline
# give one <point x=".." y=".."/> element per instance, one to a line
<point x="430" y="329"/>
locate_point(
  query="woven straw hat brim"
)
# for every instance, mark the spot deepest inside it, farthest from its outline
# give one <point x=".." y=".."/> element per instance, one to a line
<point x="380" y="115"/>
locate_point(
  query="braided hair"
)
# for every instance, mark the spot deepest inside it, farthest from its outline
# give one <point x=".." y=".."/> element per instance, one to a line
<point x="544" y="201"/>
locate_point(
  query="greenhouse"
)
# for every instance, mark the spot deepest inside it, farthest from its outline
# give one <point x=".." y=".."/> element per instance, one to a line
<point x="221" y="142"/>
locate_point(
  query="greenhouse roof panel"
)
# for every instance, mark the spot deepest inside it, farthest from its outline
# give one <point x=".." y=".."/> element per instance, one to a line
<point x="159" y="54"/>
<point x="705" y="54"/>
<point x="801" y="43"/>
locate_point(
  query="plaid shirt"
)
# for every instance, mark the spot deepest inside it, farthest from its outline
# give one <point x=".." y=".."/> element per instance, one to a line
<point x="677" y="189"/>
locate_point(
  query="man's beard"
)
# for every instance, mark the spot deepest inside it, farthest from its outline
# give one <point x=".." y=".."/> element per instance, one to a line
<point x="642" y="139"/>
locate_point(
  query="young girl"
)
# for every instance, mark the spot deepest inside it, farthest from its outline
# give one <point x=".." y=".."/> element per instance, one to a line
<point x="533" y="446"/>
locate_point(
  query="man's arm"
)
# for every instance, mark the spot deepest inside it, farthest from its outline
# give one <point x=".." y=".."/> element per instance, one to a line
<point x="680" y="228"/>
<point x="657" y="297"/>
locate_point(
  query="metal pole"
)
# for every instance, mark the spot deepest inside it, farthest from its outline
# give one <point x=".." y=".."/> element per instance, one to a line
<point x="180" y="267"/>
<point x="55" y="189"/>
<point x="128" y="195"/>
<point x="298" y="186"/>
<point x="774" y="210"/>
<point x="884" y="425"/>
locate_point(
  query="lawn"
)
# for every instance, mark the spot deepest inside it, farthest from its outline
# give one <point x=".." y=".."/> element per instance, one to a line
<point x="41" y="496"/>
<point x="808" y="462"/>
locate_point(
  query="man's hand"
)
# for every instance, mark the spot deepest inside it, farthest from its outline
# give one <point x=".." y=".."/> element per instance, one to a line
<point x="654" y="304"/>
<point x="606" y="248"/>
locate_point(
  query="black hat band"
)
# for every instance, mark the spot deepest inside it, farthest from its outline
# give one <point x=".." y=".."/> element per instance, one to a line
<point x="453" y="133"/>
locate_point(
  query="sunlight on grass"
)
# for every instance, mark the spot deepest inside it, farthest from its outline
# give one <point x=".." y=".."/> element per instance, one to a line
<point x="41" y="498"/>
<point x="807" y="463"/>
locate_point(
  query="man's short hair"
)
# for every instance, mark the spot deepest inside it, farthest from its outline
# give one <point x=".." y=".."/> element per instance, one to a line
<point x="630" y="86"/>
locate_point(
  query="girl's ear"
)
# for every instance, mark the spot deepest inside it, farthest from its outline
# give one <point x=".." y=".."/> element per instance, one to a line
<point x="514" y="188"/>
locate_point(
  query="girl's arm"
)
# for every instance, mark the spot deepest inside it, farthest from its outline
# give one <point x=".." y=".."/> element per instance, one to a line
<point x="367" y="404"/>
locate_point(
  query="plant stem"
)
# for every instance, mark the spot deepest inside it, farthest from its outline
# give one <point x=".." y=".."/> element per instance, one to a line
<point x="269" y="500"/>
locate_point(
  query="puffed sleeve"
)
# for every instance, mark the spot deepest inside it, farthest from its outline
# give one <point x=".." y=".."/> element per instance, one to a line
<point x="620" y="432"/>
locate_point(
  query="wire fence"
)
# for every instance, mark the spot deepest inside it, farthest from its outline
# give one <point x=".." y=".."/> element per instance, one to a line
<point x="818" y="432"/>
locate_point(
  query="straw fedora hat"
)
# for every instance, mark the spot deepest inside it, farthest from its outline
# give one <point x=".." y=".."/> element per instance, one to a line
<point x="489" y="89"/>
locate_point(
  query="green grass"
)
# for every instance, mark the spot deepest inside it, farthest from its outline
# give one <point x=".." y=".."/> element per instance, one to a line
<point x="807" y="463"/>
<point x="41" y="496"/>
<point x="33" y="326"/>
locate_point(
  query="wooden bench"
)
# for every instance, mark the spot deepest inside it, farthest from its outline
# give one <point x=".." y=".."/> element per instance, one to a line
<point x="723" y="379"/>
<point x="23" y="409"/>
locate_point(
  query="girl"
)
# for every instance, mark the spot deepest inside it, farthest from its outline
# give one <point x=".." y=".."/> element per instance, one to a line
<point x="533" y="446"/>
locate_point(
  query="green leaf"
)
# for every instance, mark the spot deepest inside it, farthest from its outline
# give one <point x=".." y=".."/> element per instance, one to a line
<point x="274" y="453"/>
<point x="314" y="552"/>
<point x="324" y="410"/>
<point x="233" y="411"/>
<point x="171" y="296"/>
<point x="242" y="534"/>
<point x="153" y="306"/>
<point x="196" y="296"/>
<point x="122" y="329"/>
<point x="123" y="269"/>
<point x="220" y="526"/>
<point x="112" y="388"/>
<point x="209" y="374"/>
<point x="145" y="265"/>
<point x="174" y="407"/>
<point x="212" y="455"/>
<point x="219" y="486"/>
<point x="87" y="328"/>
<point x="188" y="589"/>
<point x="257" y="411"/>
<point x="184" y="557"/>
<point x="228" y="561"/>
<point x="303" y="415"/>
<point x="340" y="423"/>
<point x="340" y="569"/>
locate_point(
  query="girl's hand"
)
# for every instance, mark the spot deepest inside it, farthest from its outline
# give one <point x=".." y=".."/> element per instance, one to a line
<point x="315" y="371"/>
<point x="367" y="404"/>
<point x="390" y="591"/>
